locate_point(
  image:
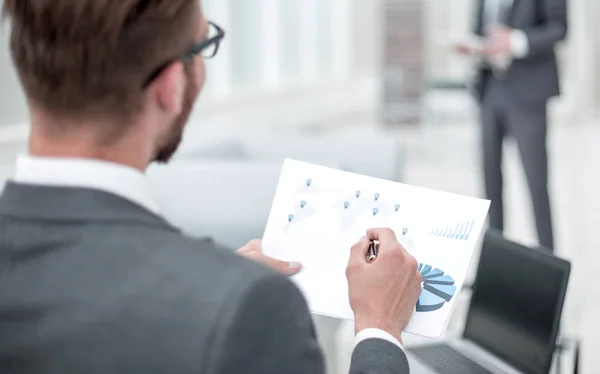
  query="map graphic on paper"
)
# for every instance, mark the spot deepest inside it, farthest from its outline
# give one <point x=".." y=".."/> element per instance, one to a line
<point x="318" y="213"/>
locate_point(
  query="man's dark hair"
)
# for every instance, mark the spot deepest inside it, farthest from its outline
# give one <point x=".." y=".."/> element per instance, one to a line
<point x="77" y="58"/>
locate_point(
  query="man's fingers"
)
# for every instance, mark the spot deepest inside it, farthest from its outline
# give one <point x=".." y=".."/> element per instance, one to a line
<point x="493" y="29"/>
<point x="255" y="245"/>
<point x="461" y="48"/>
<point x="360" y="248"/>
<point x="251" y="247"/>
<point x="253" y="251"/>
<point x="490" y="49"/>
<point x="385" y="236"/>
<point x="284" y="267"/>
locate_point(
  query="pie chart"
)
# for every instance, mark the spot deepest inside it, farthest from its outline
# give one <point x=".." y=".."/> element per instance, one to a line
<point x="438" y="289"/>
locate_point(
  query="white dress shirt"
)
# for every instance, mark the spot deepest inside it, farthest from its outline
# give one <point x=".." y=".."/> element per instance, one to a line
<point x="495" y="12"/>
<point x="120" y="180"/>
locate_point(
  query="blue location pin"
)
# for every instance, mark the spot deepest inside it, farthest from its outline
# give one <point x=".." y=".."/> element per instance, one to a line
<point x="404" y="231"/>
<point x="375" y="211"/>
<point x="302" y="204"/>
<point x="376" y="196"/>
<point x="308" y="182"/>
<point x="290" y="217"/>
<point x="357" y="194"/>
<point x="397" y="207"/>
<point x="346" y="205"/>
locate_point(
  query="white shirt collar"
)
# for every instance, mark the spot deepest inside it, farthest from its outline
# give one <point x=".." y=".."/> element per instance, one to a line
<point x="120" y="180"/>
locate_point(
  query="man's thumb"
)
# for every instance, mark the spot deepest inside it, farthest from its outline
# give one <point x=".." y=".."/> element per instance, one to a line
<point x="285" y="267"/>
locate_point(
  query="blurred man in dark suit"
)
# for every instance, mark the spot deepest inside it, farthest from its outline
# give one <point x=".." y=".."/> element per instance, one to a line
<point x="517" y="77"/>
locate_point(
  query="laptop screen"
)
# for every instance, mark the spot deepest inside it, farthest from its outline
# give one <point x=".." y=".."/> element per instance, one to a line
<point x="516" y="303"/>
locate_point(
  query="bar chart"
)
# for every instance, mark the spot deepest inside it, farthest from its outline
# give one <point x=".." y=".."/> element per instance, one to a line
<point x="459" y="231"/>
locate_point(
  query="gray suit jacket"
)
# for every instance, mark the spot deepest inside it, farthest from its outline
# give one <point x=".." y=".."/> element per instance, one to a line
<point x="91" y="283"/>
<point x="534" y="79"/>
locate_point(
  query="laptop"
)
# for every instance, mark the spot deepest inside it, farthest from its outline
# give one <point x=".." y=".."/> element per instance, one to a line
<point x="513" y="319"/>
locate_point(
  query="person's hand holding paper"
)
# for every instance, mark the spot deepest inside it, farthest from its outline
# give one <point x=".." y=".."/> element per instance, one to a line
<point x="253" y="251"/>
<point x="382" y="294"/>
<point x="319" y="213"/>
<point x="498" y="42"/>
<point x="471" y="45"/>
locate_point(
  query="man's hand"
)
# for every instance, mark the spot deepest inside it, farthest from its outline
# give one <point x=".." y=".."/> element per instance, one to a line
<point x="383" y="294"/>
<point x="253" y="251"/>
<point x="462" y="49"/>
<point x="499" y="42"/>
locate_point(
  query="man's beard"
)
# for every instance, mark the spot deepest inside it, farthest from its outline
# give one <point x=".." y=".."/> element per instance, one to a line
<point x="175" y="136"/>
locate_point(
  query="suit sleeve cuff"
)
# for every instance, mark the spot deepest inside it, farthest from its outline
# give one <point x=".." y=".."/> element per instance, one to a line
<point x="376" y="334"/>
<point x="519" y="44"/>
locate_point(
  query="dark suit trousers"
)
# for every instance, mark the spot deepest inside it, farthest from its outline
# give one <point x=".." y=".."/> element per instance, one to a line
<point x="501" y="116"/>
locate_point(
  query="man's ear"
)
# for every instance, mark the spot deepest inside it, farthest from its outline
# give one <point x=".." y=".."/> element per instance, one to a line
<point x="168" y="88"/>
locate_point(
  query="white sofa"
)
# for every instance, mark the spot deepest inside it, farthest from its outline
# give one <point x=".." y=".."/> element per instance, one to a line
<point x="372" y="154"/>
<point x="227" y="200"/>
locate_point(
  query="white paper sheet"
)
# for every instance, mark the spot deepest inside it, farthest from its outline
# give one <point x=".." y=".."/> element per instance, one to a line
<point x="471" y="41"/>
<point x="318" y="213"/>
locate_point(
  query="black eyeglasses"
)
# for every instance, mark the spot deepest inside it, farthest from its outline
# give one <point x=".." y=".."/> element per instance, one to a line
<point x="207" y="48"/>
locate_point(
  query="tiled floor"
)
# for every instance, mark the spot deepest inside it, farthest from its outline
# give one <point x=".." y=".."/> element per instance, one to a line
<point x="447" y="158"/>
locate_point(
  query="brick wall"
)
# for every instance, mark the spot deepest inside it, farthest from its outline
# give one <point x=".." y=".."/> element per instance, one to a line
<point x="403" y="71"/>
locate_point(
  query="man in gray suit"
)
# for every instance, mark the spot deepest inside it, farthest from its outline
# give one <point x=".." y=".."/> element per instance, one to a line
<point x="518" y="76"/>
<point x="92" y="279"/>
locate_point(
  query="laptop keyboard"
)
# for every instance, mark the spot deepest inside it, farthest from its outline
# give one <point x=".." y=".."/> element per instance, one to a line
<point x="446" y="360"/>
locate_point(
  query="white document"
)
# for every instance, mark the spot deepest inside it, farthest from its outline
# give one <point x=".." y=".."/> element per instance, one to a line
<point x="473" y="42"/>
<point x="318" y="213"/>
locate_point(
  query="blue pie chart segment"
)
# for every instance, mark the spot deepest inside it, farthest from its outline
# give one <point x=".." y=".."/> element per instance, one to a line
<point x="445" y="279"/>
<point x="425" y="270"/>
<point x="433" y="274"/>
<point x="438" y="289"/>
